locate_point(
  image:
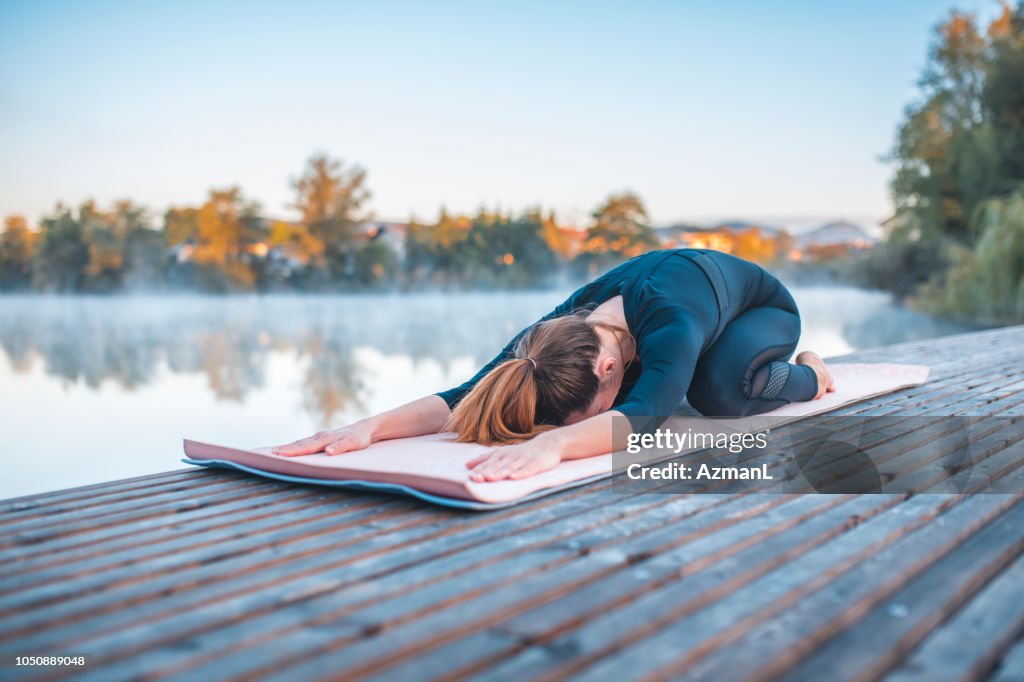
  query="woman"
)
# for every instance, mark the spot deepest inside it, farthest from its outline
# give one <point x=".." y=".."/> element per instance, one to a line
<point x="692" y="323"/>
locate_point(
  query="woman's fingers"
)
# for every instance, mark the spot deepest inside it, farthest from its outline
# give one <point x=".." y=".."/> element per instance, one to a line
<point x="491" y="466"/>
<point x="485" y="470"/>
<point x="499" y="466"/>
<point x="304" y="446"/>
<point x="341" y="445"/>
<point x="477" y="460"/>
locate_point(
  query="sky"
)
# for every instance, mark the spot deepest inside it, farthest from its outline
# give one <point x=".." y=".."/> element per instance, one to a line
<point x="771" y="111"/>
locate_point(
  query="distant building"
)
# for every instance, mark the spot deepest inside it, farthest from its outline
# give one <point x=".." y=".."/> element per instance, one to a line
<point x="747" y="240"/>
<point x="389" y="233"/>
<point x="693" y="237"/>
<point x="181" y="253"/>
<point x="841" y="233"/>
<point x="762" y="243"/>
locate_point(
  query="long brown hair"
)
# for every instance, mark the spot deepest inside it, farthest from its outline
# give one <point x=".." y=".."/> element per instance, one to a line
<point x="550" y="377"/>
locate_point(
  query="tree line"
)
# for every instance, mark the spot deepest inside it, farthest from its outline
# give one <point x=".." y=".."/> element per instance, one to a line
<point x="224" y="244"/>
<point x="955" y="244"/>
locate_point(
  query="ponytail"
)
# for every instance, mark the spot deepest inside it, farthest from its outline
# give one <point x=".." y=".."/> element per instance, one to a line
<point x="551" y="376"/>
<point x="501" y="408"/>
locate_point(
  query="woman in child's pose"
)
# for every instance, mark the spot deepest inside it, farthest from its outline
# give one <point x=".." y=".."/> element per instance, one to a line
<point x="693" y="323"/>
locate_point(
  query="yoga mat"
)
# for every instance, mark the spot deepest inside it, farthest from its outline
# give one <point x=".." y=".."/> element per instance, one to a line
<point x="433" y="468"/>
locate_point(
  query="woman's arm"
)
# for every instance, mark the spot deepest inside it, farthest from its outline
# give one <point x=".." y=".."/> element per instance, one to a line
<point x="598" y="435"/>
<point x="417" y="418"/>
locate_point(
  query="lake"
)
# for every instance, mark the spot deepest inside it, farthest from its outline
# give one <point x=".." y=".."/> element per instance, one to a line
<point x="93" y="389"/>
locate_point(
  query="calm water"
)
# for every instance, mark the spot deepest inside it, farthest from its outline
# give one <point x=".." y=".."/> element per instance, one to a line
<point x="93" y="389"/>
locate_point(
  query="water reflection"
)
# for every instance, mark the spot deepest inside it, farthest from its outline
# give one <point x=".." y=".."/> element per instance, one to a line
<point x="229" y="340"/>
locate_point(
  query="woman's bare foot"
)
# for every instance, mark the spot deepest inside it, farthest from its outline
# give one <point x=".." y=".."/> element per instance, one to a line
<point x="826" y="384"/>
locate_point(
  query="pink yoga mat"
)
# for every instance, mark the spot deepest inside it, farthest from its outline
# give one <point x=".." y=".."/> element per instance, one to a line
<point x="435" y="465"/>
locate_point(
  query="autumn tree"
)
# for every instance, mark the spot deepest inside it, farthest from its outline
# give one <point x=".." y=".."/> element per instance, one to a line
<point x="105" y="242"/>
<point x="556" y="239"/>
<point x="16" y="244"/>
<point x="619" y="230"/>
<point x="226" y="225"/>
<point x="331" y="198"/>
<point x="181" y="225"/>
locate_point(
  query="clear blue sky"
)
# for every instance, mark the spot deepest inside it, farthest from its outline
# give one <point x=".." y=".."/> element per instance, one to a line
<point x="766" y="110"/>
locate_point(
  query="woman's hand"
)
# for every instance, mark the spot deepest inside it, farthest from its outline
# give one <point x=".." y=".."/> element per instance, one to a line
<point x="346" y="439"/>
<point x="514" y="461"/>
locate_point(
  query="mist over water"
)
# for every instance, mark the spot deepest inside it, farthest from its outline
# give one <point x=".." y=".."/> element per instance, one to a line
<point x="97" y="388"/>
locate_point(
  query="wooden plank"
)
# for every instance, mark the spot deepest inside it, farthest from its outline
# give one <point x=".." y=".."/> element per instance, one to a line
<point x="48" y="532"/>
<point x="895" y="626"/>
<point x="268" y="578"/>
<point x="45" y="586"/>
<point x="912" y="465"/>
<point x="994" y="458"/>
<point x="773" y="646"/>
<point x="422" y="633"/>
<point x="711" y="566"/>
<point x="66" y="517"/>
<point x="970" y="643"/>
<point x="388" y="614"/>
<point x="43" y="505"/>
<point x="28" y="502"/>
<point x="1011" y="667"/>
<point x="608" y="644"/>
<point x="37" y="608"/>
<point x="155" y="537"/>
<point x="139" y="530"/>
<point x="264" y="607"/>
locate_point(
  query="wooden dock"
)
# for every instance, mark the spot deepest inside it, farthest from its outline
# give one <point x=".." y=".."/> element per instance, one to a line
<point x="212" y="575"/>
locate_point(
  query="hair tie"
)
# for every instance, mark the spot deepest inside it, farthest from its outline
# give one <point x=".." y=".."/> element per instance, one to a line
<point x="533" y="361"/>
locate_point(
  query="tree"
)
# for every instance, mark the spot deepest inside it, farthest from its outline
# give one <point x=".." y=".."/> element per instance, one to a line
<point x="439" y="250"/>
<point x="959" y="155"/>
<point x="989" y="280"/>
<point x="227" y="225"/>
<point x="506" y="251"/>
<point x="1003" y="97"/>
<point x="375" y="264"/>
<point x="63" y="255"/>
<point x="143" y="259"/>
<point x="181" y="225"/>
<point x="16" y="244"/>
<point x="557" y="239"/>
<point x="931" y="142"/>
<point x="620" y="229"/>
<point x="105" y="235"/>
<point x="331" y="198"/>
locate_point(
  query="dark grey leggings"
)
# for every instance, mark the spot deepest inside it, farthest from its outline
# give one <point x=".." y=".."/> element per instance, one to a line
<point x="745" y="372"/>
